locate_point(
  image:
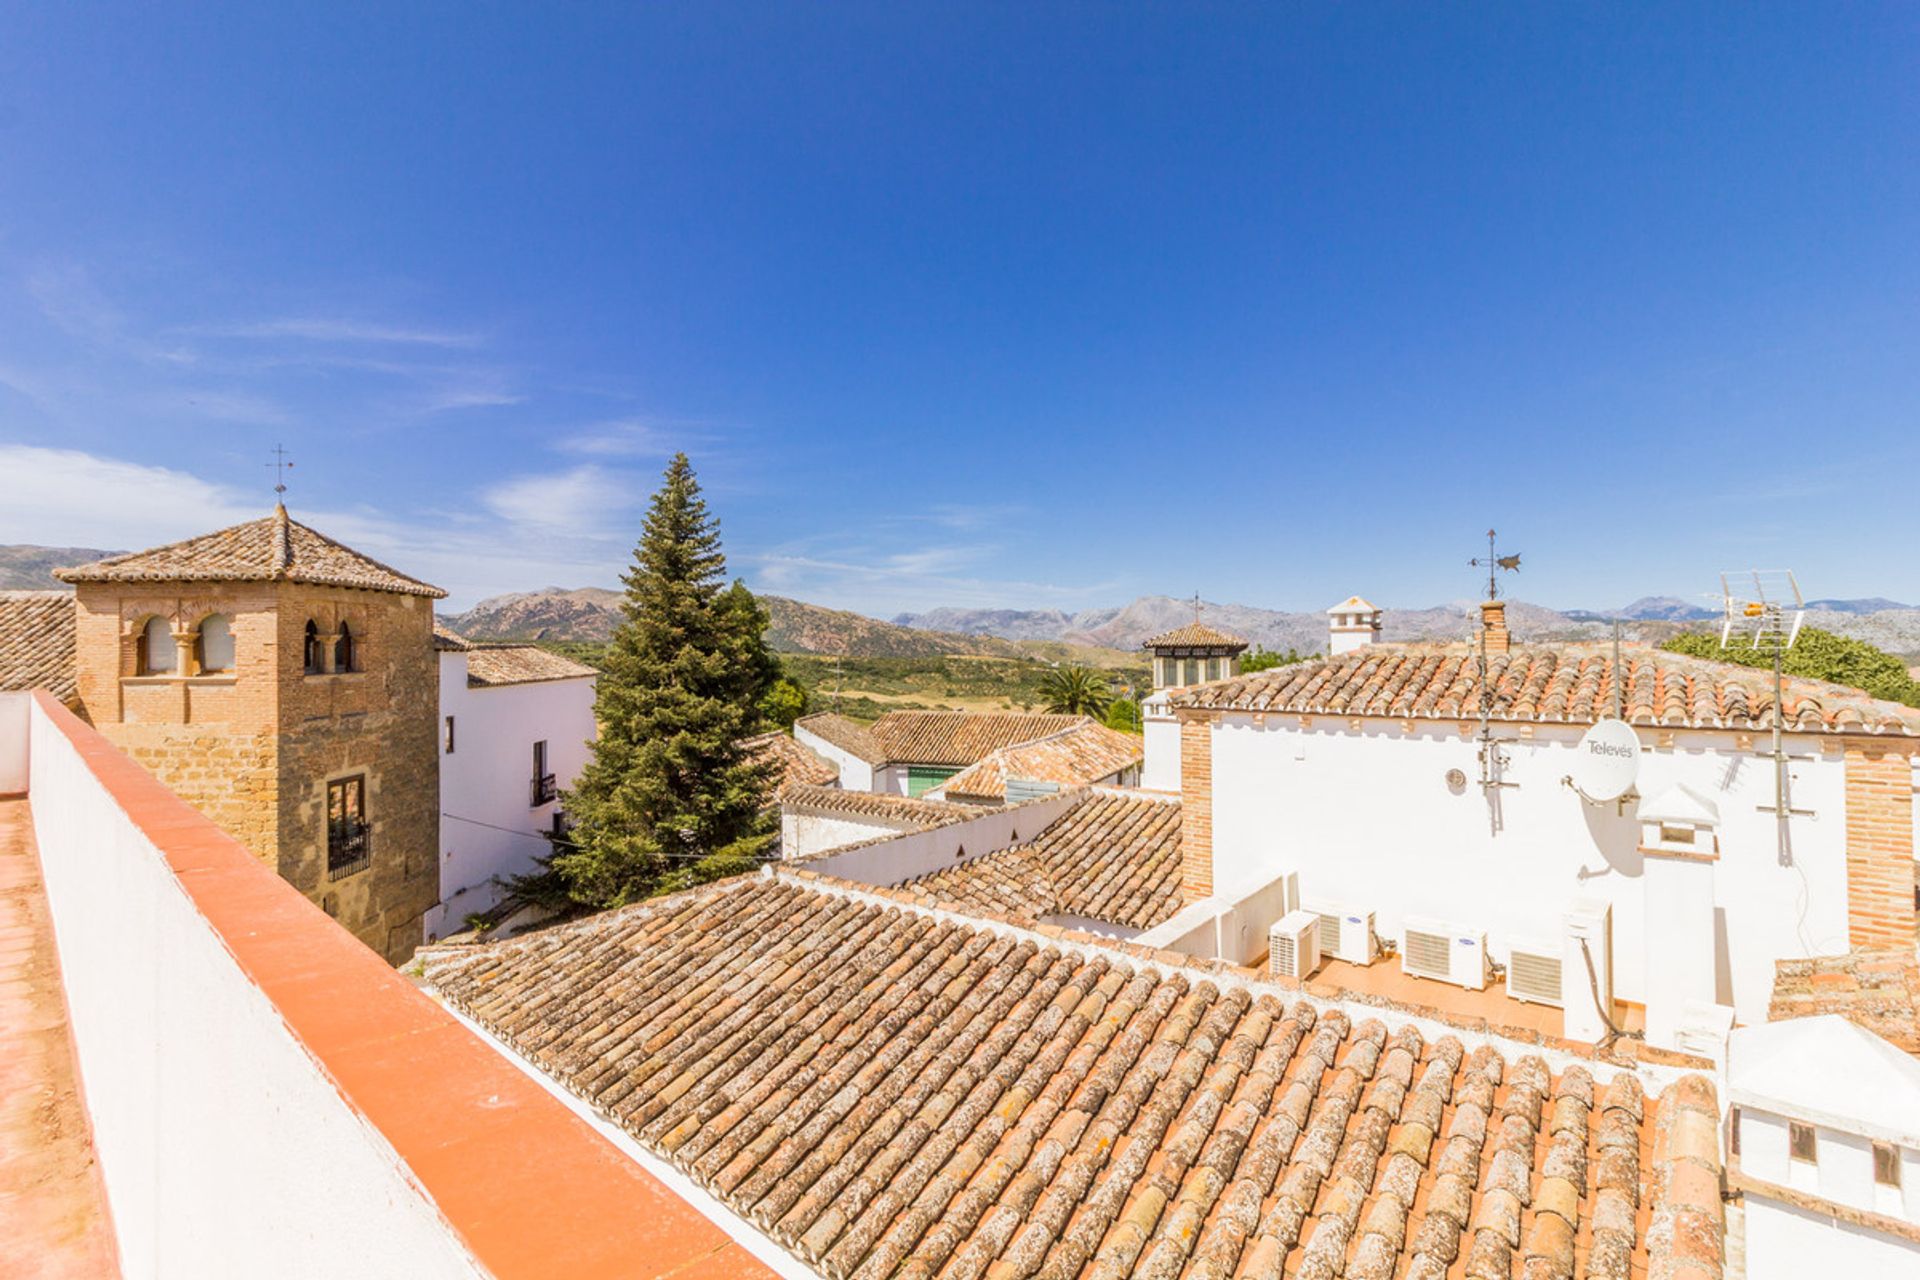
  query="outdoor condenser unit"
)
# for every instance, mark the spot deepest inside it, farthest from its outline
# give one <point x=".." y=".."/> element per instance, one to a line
<point x="1435" y="949"/>
<point x="1293" y="945"/>
<point x="1533" y="972"/>
<point x="1346" y="934"/>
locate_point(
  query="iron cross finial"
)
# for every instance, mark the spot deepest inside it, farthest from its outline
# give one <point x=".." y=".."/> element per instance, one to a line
<point x="280" y="467"/>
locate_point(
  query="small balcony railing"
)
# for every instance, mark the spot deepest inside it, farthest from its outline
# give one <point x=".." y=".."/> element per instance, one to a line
<point x="348" y="849"/>
<point x="545" y="790"/>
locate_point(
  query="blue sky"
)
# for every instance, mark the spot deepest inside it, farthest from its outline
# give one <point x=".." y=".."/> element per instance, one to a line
<point x="1022" y="305"/>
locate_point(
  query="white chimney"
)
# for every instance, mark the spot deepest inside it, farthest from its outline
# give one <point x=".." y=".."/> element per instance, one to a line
<point x="1352" y="623"/>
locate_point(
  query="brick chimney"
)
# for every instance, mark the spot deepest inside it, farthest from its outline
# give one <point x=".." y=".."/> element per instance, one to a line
<point x="1493" y="619"/>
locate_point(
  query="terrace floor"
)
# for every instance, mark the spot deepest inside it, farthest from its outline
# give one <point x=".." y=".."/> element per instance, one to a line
<point x="1384" y="980"/>
<point x="53" y="1207"/>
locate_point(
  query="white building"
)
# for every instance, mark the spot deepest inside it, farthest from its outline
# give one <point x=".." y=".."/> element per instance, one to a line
<point x="516" y="727"/>
<point x="1367" y="774"/>
<point x="1825" y="1137"/>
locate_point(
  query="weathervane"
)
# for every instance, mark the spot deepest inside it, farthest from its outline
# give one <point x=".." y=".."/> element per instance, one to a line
<point x="1197" y="606"/>
<point x="280" y="467"/>
<point x="1493" y="562"/>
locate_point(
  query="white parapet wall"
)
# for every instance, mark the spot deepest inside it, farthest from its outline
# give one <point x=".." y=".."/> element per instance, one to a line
<point x="13" y="742"/>
<point x="224" y="1148"/>
<point x="919" y="853"/>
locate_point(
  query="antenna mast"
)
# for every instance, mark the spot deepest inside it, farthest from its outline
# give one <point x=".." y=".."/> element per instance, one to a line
<point x="1768" y="621"/>
<point x="1492" y="759"/>
<point x="280" y="467"/>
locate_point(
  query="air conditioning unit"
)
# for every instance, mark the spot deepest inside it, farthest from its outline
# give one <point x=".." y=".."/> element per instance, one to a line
<point x="1346" y="934"/>
<point x="1435" y="949"/>
<point x="1533" y="972"/>
<point x="1293" y="945"/>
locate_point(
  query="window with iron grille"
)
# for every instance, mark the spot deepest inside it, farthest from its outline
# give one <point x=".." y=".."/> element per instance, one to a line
<point x="545" y="785"/>
<point x="348" y="832"/>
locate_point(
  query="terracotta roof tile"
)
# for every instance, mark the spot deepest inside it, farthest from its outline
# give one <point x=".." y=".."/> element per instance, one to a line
<point x="849" y="735"/>
<point x="1195" y="635"/>
<point x="1572" y="685"/>
<point x="887" y="1092"/>
<point x="960" y="737"/>
<point x="1878" y="990"/>
<point x="492" y="665"/>
<point x="446" y="639"/>
<point x="1115" y="857"/>
<point x="909" y="813"/>
<point x="792" y="761"/>
<point x="274" y="548"/>
<point x="1086" y="753"/>
<point x="36" y="642"/>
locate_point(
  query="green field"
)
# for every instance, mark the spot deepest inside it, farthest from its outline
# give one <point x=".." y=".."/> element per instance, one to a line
<point x="865" y="688"/>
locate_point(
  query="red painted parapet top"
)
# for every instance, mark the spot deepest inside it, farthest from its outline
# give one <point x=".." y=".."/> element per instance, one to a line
<point x="530" y="1187"/>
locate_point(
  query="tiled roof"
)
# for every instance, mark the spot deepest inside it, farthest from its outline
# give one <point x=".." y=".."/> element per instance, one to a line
<point x="792" y="761"/>
<point x="36" y="642"/>
<point x="1878" y="990"/>
<point x="1115" y="857"/>
<point x="492" y="665"/>
<point x="447" y="640"/>
<point x="1087" y="752"/>
<point x="1571" y="685"/>
<point x="887" y="1092"/>
<point x="850" y="736"/>
<point x="274" y="548"/>
<point x="960" y="737"/>
<point x="1195" y="635"/>
<point x="907" y="812"/>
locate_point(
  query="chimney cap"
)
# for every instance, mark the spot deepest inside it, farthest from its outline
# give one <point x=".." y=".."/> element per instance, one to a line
<point x="1355" y="604"/>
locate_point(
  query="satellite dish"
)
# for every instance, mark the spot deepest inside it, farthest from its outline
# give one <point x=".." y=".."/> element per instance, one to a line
<point x="1606" y="762"/>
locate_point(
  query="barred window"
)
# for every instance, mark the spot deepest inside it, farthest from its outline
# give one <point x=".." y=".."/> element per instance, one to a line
<point x="347" y="826"/>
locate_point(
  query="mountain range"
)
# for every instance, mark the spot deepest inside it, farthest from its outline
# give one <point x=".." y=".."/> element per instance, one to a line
<point x="591" y="613"/>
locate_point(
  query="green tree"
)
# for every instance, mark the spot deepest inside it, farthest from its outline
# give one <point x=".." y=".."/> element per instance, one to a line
<point x="785" y="702"/>
<point x="1264" y="659"/>
<point x="1817" y="655"/>
<point x="1076" y="690"/>
<point x="668" y="798"/>
<point x="1123" y="714"/>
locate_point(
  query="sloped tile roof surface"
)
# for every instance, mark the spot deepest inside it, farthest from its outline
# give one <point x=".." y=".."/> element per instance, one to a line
<point x="1878" y="990"/>
<point x="909" y="812"/>
<point x="492" y="665"/>
<point x="960" y="737"/>
<point x="792" y="761"/>
<point x="1557" y="685"/>
<point x="275" y="548"/>
<point x="1195" y="635"/>
<point x="888" y="1093"/>
<point x="446" y="639"/>
<point x="1115" y="857"/>
<point x="1086" y="753"/>
<point x="850" y="736"/>
<point x="36" y="643"/>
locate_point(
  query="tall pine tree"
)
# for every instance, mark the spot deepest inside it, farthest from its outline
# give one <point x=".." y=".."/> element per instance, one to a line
<point x="669" y="799"/>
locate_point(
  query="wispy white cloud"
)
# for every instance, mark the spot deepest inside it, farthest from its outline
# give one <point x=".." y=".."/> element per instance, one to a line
<point x="622" y="438"/>
<point x="66" y="497"/>
<point x="586" y="501"/>
<point x="914" y="581"/>
<point x="337" y="329"/>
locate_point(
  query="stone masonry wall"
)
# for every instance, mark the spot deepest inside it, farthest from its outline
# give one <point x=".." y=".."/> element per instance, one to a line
<point x="1196" y="810"/>
<point x="377" y="720"/>
<point x="1879" y="786"/>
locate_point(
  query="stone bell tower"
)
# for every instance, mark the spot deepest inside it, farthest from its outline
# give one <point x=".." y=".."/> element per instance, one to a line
<point x="287" y="687"/>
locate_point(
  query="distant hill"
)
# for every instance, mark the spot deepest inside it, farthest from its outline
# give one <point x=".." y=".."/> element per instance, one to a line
<point x="1873" y="604"/>
<point x="26" y="567"/>
<point x="589" y="614"/>
<point x="1661" y="608"/>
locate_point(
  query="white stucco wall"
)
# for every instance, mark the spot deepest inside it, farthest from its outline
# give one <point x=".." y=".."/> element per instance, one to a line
<point x="488" y="830"/>
<point x="224" y="1148"/>
<point x="14" y="735"/>
<point x="1161" y="733"/>
<point x="1789" y="1243"/>
<point x="855" y="774"/>
<point x="918" y="853"/>
<point x="1367" y="817"/>
<point x="804" y="834"/>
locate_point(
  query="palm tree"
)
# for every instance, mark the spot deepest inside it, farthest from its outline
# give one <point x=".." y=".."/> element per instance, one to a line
<point x="1076" y="690"/>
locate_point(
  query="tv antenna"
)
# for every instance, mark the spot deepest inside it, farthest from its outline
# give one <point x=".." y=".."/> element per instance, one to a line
<point x="1493" y="562"/>
<point x="1763" y="611"/>
<point x="280" y="467"/>
<point x="1493" y="760"/>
